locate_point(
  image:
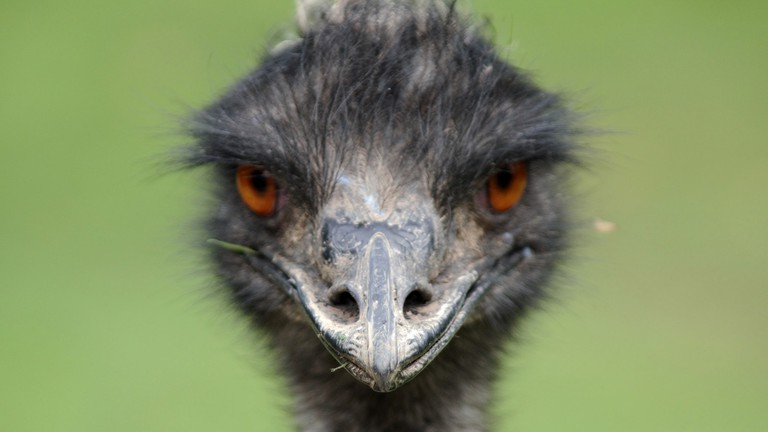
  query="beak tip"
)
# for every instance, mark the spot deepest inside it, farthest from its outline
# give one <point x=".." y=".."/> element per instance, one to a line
<point x="384" y="383"/>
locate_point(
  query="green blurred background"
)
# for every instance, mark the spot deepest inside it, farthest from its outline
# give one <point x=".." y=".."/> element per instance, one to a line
<point x="107" y="322"/>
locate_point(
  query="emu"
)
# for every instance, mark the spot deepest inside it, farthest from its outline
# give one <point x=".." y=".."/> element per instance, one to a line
<point x="388" y="202"/>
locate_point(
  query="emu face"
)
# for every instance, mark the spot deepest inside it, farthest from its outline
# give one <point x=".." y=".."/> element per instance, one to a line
<point x="384" y="182"/>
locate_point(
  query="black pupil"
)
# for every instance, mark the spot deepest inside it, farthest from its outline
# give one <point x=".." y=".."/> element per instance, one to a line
<point x="504" y="179"/>
<point x="259" y="181"/>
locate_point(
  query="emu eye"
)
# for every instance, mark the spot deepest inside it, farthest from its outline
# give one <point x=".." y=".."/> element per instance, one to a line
<point x="258" y="189"/>
<point x="506" y="186"/>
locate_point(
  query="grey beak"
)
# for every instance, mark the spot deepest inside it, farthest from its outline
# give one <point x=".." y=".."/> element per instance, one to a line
<point x="382" y="305"/>
<point x="383" y="343"/>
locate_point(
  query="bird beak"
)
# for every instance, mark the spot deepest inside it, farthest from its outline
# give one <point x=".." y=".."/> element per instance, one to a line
<point x="368" y="319"/>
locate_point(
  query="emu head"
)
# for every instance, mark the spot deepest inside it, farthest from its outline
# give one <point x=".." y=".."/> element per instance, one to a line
<point x="385" y="181"/>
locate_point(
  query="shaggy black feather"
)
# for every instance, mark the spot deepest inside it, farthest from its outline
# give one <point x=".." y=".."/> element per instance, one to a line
<point x="416" y="91"/>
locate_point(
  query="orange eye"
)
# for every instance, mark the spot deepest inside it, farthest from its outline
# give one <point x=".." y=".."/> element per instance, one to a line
<point x="257" y="189"/>
<point x="506" y="186"/>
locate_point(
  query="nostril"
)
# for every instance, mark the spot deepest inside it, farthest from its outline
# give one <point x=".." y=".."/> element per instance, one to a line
<point x="343" y="299"/>
<point x="416" y="299"/>
<point x="344" y="302"/>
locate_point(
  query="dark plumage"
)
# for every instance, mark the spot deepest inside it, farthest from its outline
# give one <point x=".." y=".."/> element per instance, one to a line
<point x="382" y="128"/>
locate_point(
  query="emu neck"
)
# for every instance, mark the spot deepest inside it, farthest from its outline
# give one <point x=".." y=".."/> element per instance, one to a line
<point x="451" y="394"/>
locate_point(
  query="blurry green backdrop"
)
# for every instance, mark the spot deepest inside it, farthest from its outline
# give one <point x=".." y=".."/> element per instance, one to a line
<point x="107" y="322"/>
